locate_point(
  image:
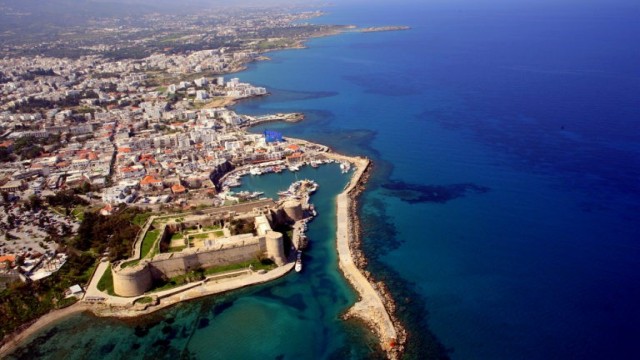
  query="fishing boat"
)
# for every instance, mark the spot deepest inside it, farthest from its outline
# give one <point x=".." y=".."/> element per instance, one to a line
<point x="345" y="167"/>
<point x="255" y="171"/>
<point x="298" y="265"/>
<point x="232" y="182"/>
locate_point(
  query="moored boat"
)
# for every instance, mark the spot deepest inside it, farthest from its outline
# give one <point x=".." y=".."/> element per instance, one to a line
<point x="255" y="171"/>
<point x="298" y="266"/>
<point x="345" y="167"/>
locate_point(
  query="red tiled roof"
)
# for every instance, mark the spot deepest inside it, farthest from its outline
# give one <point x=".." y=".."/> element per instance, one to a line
<point x="149" y="180"/>
<point x="177" y="189"/>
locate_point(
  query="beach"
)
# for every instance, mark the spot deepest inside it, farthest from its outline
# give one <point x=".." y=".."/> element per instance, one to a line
<point x="13" y="341"/>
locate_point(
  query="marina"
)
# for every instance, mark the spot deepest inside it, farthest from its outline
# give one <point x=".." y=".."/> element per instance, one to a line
<point x="234" y="177"/>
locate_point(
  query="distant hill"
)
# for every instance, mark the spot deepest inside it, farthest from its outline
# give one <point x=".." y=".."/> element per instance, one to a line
<point x="32" y="14"/>
<point x="24" y="14"/>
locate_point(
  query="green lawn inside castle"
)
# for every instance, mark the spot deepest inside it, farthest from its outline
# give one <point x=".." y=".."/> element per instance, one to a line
<point x="177" y="249"/>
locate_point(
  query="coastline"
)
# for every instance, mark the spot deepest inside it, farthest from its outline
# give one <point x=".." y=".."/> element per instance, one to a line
<point x="12" y="341"/>
<point x="169" y="298"/>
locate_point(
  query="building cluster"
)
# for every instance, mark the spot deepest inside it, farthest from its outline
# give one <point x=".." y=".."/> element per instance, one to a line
<point x="143" y="130"/>
<point x="202" y="89"/>
<point x="101" y="127"/>
<point x="115" y="133"/>
<point x="92" y="81"/>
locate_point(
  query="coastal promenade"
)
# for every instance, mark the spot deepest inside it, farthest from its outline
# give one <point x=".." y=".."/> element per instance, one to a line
<point x="370" y="308"/>
<point x="214" y="284"/>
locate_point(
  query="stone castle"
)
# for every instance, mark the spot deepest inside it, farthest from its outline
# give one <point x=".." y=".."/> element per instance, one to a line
<point x="137" y="279"/>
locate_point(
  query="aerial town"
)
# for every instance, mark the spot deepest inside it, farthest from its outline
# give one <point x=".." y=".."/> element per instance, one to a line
<point x="91" y="141"/>
<point x="120" y="152"/>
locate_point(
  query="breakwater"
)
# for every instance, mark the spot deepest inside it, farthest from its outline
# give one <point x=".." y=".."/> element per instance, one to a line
<point x="375" y="306"/>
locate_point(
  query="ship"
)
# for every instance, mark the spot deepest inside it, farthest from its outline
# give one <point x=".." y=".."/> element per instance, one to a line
<point x="298" y="266"/>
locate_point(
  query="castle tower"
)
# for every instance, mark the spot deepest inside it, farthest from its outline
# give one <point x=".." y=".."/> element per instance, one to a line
<point x="275" y="247"/>
<point x="293" y="210"/>
<point x="131" y="281"/>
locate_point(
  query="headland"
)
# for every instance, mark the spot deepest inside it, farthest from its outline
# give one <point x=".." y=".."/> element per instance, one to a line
<point x="383" y="28"/>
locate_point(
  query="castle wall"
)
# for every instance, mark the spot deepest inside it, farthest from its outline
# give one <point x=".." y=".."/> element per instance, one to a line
<point x="181" y="263"/>
<point x="134" y="281"/>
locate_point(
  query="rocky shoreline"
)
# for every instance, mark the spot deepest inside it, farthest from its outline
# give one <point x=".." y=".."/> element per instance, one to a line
<point x="361" y="262"/>
<point x="376" y="306"/>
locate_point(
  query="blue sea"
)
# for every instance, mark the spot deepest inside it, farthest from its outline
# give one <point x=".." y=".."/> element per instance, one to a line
<point x="504" y="207"/>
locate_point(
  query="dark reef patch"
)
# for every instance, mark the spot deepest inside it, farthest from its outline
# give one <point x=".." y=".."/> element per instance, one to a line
<point x="358" y="332"/>
<point x="295" y="301"/>
<point x="221" y="307"/>
<point x="203" y="323"/>
<point x="161" y="343"/>
<point x="251" y="105"/>
<point x="380" y="84"/>
<point x="168" y="331"/>
<point x="417" y="193"/>
<point x="296" y="95"/>
<point x="375" y="224"/>
<point x="32" y="350"/>
<point x="106" y="349"/>
<point x="141" y="331"/>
